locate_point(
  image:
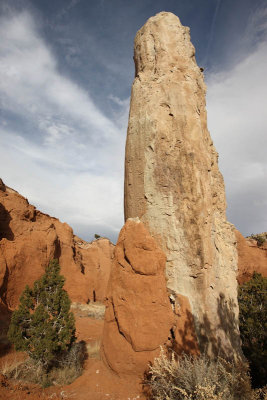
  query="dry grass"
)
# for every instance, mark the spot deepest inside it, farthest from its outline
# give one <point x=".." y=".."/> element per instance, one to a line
<point x="11" y="368"/>
<point x="69" y="367"/>
<point x="93" y="310"/>
<point x="93" y="349"/>
<point x="260" y="394"/>
<point x="188" y="378"/>
<point x="22" y="370"/>
<point x="63" y="376"/>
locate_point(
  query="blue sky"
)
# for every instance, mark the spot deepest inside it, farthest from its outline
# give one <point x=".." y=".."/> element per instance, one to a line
<point x="66" y="71"/>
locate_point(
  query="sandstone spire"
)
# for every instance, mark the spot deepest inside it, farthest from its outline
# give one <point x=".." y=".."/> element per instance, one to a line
<point x="172" y="180"/>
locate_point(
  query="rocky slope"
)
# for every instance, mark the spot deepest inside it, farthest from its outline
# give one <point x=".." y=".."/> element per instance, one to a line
<point x="251" y="257"/>
<point x="173" y="183"/>
<point x="29" y="239"/>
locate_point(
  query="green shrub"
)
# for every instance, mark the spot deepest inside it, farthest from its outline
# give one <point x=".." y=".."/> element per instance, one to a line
<point x="252" y="299"/>
<point x="43" y="325"/>
<point x="198" y="378"/>
<point x="259" y="237"/>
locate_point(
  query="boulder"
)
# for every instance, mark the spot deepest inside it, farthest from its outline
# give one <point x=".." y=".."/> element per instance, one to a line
<point x="139" y="315"/>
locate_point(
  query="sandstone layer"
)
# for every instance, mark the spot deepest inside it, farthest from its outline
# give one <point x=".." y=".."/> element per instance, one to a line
<point x="139" y="315"/>
<point x="251" y="257"/>
<point x="173" y="183"/>
<point x="29" y="239"/>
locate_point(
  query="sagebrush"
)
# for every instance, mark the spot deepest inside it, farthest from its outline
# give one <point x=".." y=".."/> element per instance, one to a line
<point x="67" y="368"/>
<point x="198" y="378"/>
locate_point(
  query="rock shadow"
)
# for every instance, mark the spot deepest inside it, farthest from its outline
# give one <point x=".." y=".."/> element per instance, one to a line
<point x="5" y="317"/>
<point x="3" y="289"/>
<point x="57" y="251"/>
<point x="210" y="337"/>
<point x="185" y="339"/>
<point x="5" y="230"/>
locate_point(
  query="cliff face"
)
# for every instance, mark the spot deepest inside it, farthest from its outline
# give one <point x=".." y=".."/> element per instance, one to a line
<point x="172" y="180"/>
<point x="29" y="239"/>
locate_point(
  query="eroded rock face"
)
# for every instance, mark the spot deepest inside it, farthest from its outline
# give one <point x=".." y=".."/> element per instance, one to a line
<point x="29" y="239"/>
<point x="250" y="258"/>
<point x="139" y="315"/>
<point x="172" y="180"/>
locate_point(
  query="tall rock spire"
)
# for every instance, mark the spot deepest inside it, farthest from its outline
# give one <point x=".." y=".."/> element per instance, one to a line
<point x="173" y="183"/>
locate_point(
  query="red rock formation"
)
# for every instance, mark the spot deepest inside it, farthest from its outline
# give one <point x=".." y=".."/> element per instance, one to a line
<point x="250" y="258"/>
<point x="29" y="239"/>
<point x="139" y="317"/>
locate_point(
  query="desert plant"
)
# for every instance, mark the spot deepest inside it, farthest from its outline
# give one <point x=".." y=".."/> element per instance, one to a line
<point x="197" y="378"/>
<point x="259" y="237"/>
<point x="252" y="299"/>
<point x="67" y="368"/>
<point x="43" y="325"/>
<point x="11" y="368"/>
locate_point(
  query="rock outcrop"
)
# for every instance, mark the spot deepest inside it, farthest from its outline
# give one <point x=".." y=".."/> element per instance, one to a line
<point x="29" y="239"/>
<point x="251" y="257"/>
<point x="173" y="183"/>
<point x="139" y="315"/>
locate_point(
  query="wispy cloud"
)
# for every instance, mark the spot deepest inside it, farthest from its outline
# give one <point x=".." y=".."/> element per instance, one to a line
<point x="67" y="8"/>
<point x="211" y="35"/>
<point x="64" y="141"/>
<point x="237" y="118"/>
<point x="32" y="85"/>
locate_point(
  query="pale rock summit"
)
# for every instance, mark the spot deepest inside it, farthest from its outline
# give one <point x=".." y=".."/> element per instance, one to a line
<point x="173" y="183"/>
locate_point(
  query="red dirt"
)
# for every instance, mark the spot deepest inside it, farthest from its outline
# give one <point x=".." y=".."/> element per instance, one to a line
<point x="96" y="383"/>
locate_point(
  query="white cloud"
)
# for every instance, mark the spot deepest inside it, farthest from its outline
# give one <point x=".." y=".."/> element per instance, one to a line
<point x="72" y="194"/>
<point x="237" y="119"/>
<point x="67" y="156"/>
<point x="31" y="84"/>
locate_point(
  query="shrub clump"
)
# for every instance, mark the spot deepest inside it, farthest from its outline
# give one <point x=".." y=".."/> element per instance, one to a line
<point x="252" y="299"/>
<point x="260" y="238"/>
<point x="43" y="325"/>
<point x="199" y="378"/>
<point x="67" y="368"/>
